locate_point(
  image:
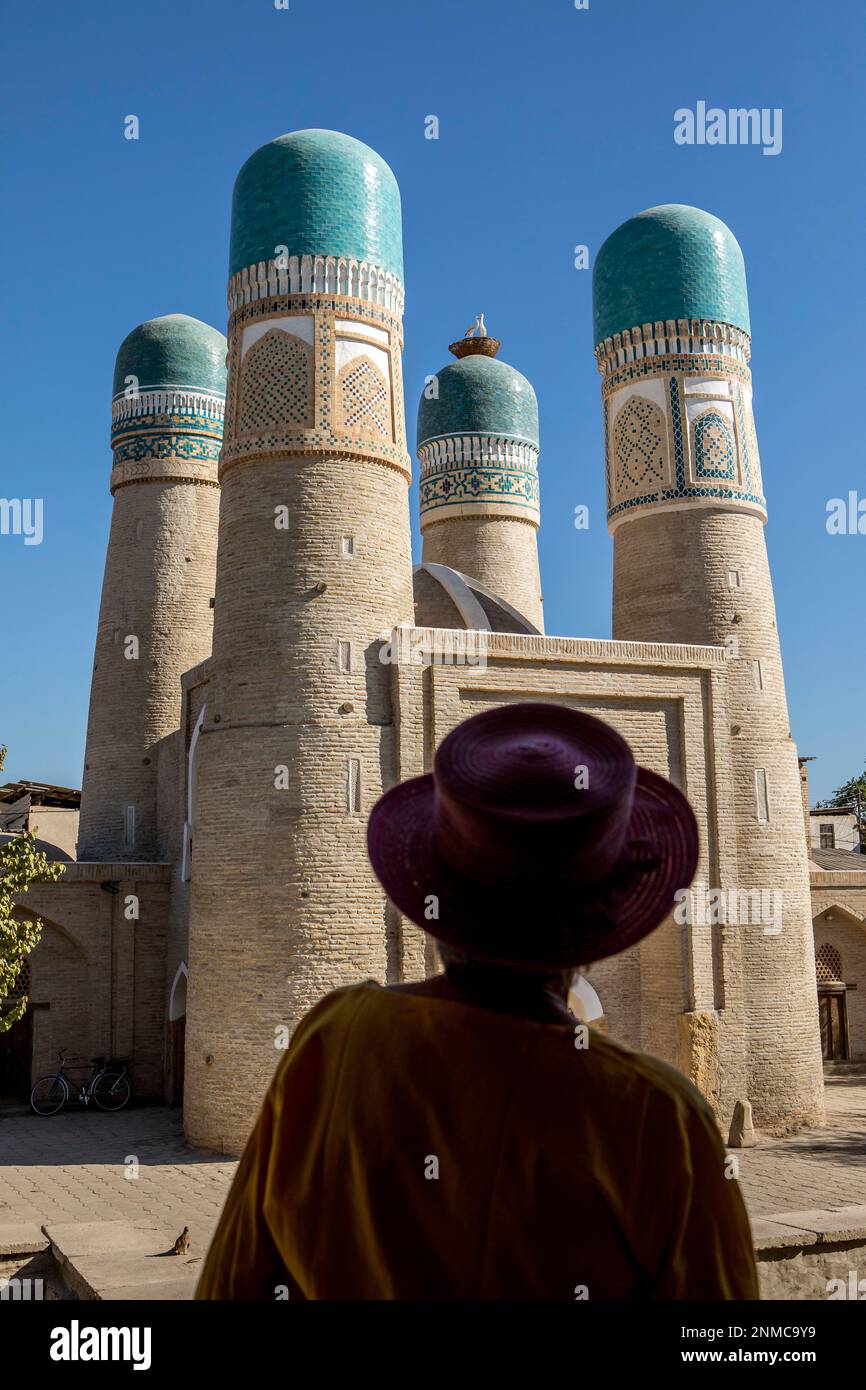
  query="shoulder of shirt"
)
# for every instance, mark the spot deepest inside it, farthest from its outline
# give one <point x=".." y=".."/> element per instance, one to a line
<point x="624" y="1066"/>
<point x="340" y="1003"/>
<point x="619" y="1067"/>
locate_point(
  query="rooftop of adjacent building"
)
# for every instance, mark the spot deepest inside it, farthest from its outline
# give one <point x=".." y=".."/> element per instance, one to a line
<point x="174" y="350"/>
<point x="318" y="193"/>
<point x="478" y="394"/>
<point x="40" y="794"/>
<point x="668" y="262"/>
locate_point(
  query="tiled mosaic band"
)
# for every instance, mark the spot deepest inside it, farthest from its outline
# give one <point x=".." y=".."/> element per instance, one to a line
<point x="676" y="438"/>
<point x="129" y="412"/>
<point x="478" y="474"/>
<point x="289" y="396"/>
<point x="316" y="275"/>
<point x="698" y="337"/>
<point x="168" y="432"/>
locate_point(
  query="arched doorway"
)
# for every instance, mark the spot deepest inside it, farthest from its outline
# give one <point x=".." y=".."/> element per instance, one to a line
<point x="177" y="1035"/>
<point x="832" y="1003"/>
<point x="16" y="1043"/>
<point x="585" y="1003"/>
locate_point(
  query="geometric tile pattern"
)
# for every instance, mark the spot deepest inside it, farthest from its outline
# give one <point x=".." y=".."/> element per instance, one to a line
<point x="167" y="446"/>
<point x="721" y="489"/>
<point x="456" y="485"/>
<point x="639" y="437"/>
<point x="325" y="435"/>
<point x="276" y="383"/>
<point x="744" y="438"/>
<point x="714" y="446"/>
<point x="363" y="395"/>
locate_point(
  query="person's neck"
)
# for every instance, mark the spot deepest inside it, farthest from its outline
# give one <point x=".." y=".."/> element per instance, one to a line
<point x="517" y="994"/>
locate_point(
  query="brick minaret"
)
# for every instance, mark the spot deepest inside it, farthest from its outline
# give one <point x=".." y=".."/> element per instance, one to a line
<point x="687" y="514"/>
<point x="478" y="451"/>
<point x="314" y="565"/>
<point x="155" y="620"/>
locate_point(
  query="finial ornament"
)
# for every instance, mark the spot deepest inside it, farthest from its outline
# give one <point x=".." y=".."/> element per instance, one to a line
<point x="476" y="340"/>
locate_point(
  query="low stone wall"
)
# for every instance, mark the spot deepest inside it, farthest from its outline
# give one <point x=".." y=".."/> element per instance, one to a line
<point x="812" y="1254"/>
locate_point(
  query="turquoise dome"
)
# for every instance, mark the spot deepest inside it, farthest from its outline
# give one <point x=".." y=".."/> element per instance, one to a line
<point x="480" y="395"/>
<point x="670" y="262"/>
<point x="320" y="193"/>
<point x="175" y="350"/>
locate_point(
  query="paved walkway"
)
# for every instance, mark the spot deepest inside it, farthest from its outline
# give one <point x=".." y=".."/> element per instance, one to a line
<point x="72" y="1168"/>
<point x="818" y="1168"/>
<point x="87" y="1166"/>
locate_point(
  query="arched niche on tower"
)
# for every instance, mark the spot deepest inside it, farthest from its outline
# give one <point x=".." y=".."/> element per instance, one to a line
<point x="640" y="453"/>
<point x="276" y="384"/>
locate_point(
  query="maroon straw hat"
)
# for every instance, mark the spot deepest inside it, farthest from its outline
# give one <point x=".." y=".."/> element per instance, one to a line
<point x="536" y="841"/>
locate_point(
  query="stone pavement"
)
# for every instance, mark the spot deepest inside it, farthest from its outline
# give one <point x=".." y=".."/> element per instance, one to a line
<point x="67" y="1173"/>
<point x="818" y="1168"/>
<point x="73" y="1167"/>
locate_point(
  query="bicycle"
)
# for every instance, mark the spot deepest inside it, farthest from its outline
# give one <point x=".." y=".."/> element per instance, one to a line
<point x="107" y="1085"/>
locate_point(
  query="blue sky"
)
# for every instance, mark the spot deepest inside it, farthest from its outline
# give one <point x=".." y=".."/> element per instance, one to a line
<point x="555" y="125"/>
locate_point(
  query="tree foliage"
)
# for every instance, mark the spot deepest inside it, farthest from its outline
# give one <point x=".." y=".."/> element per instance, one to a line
<point x="21" y="864"/>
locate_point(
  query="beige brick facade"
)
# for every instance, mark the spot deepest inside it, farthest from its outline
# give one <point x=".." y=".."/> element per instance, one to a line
<point x="500" y="551"/>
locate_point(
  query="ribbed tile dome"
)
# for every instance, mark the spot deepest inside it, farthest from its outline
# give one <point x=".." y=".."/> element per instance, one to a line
<point x="319" y="193"/>
<point x="174" y="350"/>
<point x="670" y="262"/>
<point x="480" y="395"/>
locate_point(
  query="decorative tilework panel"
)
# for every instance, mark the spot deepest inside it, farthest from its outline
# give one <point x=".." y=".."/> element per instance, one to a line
<point x="492" y="486"/>
<point x="276" y="384"/>
<point x="714" y="447"/>
<point x="639" y="438"/>
<point x="167" y="446"/>
<point x="363" y="396"/>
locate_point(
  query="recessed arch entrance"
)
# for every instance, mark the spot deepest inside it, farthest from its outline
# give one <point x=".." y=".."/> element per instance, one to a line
<point x="177" y="1034"/>
<point x="840" y="956"/>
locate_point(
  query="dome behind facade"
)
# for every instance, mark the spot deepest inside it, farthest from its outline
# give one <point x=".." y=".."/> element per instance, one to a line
<point x="669" y="262"/>
<point x="479" y="395"/>
<point x="174" y="350"/>
<point x="318" y="193"/>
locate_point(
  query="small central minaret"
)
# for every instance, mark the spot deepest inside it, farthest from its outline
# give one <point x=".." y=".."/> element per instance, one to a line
<point x="299" y="737"/>
<point x="687" y="514"/>
<point x="478" y="451"/>
<point x="155" y="619"/>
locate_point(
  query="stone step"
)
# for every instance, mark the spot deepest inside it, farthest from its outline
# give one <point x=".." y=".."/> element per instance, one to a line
<point x="21" y="1238"/>
<point x="123" y="1259"/>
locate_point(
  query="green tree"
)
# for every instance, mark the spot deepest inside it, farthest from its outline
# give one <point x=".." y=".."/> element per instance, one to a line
<point x="21" y="864"/>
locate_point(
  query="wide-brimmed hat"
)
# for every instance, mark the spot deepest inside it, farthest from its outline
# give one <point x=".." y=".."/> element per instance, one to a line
<point x="536" y="841"/>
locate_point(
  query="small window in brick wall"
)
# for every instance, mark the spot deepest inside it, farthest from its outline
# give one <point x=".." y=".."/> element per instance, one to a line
<point x="347" y="545"/>
<point x="22" y="982"/>
<point x="344" y="656"/>
<point x="353" y="784"/>
<point x="129" y="827"/>
<point x="758" y="675"/>
<point x="735" y="579"/>
<point x="828" y="965"/>
<point x="828" y="836"/>
<point x="762" y="796"/>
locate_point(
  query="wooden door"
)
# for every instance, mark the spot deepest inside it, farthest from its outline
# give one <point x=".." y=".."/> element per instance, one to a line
<point x="833" y="1014"/>
<point x="16" y="1060"/>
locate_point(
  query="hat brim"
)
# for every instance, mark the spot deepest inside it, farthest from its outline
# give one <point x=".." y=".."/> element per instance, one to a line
<point x="538" y="922"/>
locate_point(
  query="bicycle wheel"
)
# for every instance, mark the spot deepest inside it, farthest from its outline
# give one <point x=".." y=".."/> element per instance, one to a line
<point x="48" y="1095"/>
<point x="111" y="1090"/>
